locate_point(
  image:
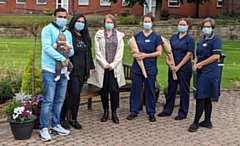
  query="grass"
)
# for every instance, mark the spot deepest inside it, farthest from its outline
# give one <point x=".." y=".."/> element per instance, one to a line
<point x="14" y="55"/>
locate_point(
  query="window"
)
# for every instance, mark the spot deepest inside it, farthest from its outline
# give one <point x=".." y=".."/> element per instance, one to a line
<point x="173" y="3"/>
<point x="21" y="2"/>
<point x="41" y="1"/>
<point x="151" y="6"/>
<point x="104" y="3"/>
<point x="83" y="2"/>
<point x="2" y="1"/>
<point x="124" y="3"/>
<point x="219" y="3"/>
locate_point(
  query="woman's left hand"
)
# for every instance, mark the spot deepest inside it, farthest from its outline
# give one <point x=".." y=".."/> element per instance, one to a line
<point x="199" y="65"/>
<point x="175" y="69"/>
<point x="90" y="74"/>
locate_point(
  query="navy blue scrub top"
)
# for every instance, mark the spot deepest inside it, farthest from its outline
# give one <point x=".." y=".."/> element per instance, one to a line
<point x="180" y="48"/>
<point x="205" y="49"/>
<point x="147" y="45"/>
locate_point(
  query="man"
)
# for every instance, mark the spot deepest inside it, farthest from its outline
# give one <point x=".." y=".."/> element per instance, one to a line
<point x="54" y="91"/>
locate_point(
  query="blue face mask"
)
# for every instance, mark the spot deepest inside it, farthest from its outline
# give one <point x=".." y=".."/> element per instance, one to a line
<point x="79" y="26"/>
<point x="147" y="26"/>
<point x="207" y="30"/>
<point x="109" y="26"/>
<point x="182" y="28"/>
<point x="61" y="22"/>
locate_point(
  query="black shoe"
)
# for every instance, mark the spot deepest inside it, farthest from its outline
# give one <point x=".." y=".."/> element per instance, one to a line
<point x="131" y="116"/>
<point x="193" y="127"/>
<point x="64" y="124"/>
<point x="115" y="118"/>
<point x="179" y="118"/>
<point x="76" y="125"/>
<point x="152" y="118"/>
<point x="105" y="116"/>
<point x="163" y="114"/>
<point x="206" y="124"/>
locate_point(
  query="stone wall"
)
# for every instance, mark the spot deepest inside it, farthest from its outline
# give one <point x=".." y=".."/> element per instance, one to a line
<point x="226" y="31"/>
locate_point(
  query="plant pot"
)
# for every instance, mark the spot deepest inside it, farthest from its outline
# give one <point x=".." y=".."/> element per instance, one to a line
<point x="156" y="96"/>
<point x="48" y="13"/>
<point x="36" y="112"/>
<point x="22" y="131"/>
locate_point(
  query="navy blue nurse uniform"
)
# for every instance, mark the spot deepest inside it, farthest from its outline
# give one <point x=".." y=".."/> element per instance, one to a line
<point x="208" y="76"/>
<point x="180" y="48"/>
<point x="146" y="45"/>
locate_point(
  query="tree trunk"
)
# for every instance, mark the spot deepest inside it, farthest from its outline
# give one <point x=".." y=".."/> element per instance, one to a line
<point x="197" y="9"/>
<point x="158" y="10"/>
<point x="230" y="6"/>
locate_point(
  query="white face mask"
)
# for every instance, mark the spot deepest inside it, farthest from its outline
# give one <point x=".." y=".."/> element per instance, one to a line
<point x="207" y="30"/>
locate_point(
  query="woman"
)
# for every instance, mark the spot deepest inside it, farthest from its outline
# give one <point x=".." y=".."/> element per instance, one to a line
<point x="208" y="52"/>
<point x="82" y="69"/>
<point x="108" y="74"/>
<point x="150" y="47"/>
<point x="182" y="47"/>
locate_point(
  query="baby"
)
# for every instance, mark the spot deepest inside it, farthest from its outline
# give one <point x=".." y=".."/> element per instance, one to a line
<point x="59" y="46"/>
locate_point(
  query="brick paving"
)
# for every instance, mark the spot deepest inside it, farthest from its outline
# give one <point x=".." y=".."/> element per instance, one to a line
<point x="140" y="132"/>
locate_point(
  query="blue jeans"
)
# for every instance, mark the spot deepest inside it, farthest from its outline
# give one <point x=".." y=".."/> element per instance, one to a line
<point x="54" y="94"/>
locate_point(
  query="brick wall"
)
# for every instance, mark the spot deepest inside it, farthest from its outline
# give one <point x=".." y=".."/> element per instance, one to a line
<point x="185" y="10"/>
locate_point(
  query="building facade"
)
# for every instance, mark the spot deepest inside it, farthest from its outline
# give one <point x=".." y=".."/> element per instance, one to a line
<point x="103" y="7"/>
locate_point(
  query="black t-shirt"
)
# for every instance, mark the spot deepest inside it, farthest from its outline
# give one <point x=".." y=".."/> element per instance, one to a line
<point x="80" y="48"/>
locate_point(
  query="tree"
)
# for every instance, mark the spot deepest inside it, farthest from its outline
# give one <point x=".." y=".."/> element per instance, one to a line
<point x="159" y="5"/>
<point x="31" y="75"/>
<point x="230" y="7"/>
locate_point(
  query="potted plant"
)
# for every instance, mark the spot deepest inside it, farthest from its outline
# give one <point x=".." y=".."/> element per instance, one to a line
<point x="164" y="14"/>
<point x="48" y="11"/>
<point x="36" y="103"/>
<point x="20" y="117"/>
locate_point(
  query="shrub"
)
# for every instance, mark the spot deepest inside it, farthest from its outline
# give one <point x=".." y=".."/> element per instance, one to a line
<point x="6" y="92"/>
<point x="128" y="19"/>
<point x="48" y="10"/>
<point x="95" y="20"/>
<point x="27" y="78"/>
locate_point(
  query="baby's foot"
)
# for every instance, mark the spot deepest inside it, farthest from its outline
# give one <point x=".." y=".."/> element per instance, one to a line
<point x="57" y="78"/>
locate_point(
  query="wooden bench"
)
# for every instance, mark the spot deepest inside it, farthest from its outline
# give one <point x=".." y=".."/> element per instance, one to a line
<point x="90" y="91"/>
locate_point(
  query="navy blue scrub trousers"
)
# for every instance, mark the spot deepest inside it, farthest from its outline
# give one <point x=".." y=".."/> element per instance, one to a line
<point x="138" y="81"/>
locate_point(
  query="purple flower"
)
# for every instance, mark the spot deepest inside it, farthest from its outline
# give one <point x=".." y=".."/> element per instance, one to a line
<point x="39" y="98"/>
<point x="25" y="114"/>
<point x="27" y="106"/>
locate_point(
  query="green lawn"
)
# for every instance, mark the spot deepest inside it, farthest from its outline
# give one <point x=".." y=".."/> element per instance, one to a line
<point x="14" y="54"/>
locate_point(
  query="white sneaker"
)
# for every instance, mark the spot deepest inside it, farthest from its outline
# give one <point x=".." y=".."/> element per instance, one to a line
<point x="45" y="136"/>
<point x="59" y="130"/>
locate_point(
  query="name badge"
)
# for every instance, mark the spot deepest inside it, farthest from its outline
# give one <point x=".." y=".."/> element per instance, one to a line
<point x="147" y="41"/>
<point x="204" y="45"/>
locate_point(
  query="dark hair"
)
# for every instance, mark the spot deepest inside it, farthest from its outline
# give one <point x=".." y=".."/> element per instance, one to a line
<point x="210" y="20"/>
<point x="84" y="32"/>
<point x="150" y="15"/>
<point x="59" y="10"/>
<point x="112" y="18"/>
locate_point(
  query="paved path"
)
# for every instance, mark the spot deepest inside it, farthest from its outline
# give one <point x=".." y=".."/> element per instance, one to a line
<point x="140" y="132"/>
